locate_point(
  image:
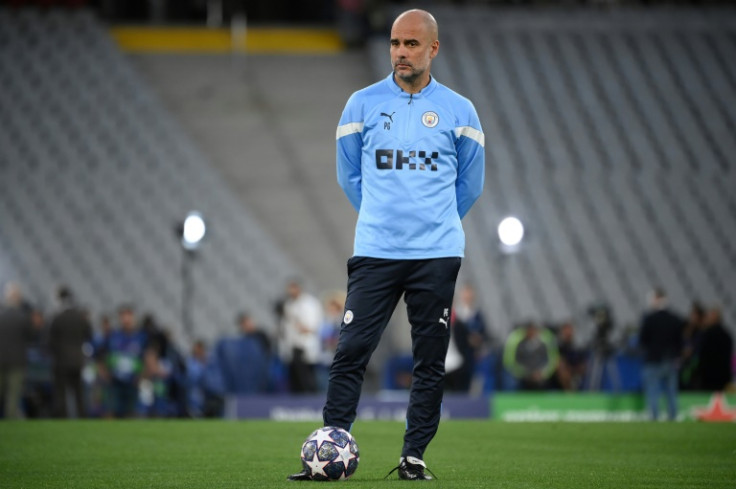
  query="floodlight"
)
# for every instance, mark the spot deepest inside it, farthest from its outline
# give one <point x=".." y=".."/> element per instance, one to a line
<point x="510" y="231"/>
<point x="193" y="230"/>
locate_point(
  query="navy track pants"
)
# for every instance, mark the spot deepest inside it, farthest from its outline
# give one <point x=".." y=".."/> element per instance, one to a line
<point x="374" y="288"/>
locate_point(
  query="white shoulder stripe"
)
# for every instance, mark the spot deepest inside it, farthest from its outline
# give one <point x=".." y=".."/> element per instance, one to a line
<point x="347" y="129"/>
<point x="472" y="133"/>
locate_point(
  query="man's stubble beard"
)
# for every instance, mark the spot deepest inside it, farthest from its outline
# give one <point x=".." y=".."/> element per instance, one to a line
<point x="409" y="78"/>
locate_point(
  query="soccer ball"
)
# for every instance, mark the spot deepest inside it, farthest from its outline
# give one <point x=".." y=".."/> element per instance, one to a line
<point x="330" y="454"/>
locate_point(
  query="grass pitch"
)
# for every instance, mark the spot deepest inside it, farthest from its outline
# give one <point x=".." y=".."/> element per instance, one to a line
<point x="465" y="454"/>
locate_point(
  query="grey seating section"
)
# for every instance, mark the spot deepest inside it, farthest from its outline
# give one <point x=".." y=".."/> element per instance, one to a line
<point x="94" y="177"/>
<point x="611" y="135"/>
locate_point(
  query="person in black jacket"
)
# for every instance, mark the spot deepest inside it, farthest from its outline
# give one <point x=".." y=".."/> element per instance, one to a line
<point x="716" y="353"/>
<point x="69" y="331"/>
<point x="661" y="341"/>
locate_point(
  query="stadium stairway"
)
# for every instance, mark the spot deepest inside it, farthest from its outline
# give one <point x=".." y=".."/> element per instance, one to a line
<point x="268" y="122"/>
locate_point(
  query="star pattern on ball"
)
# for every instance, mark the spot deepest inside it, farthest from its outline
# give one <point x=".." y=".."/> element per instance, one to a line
<point x="322" y="435"/>
<point x="344" y="454"/>
<point x="316" y="466"/>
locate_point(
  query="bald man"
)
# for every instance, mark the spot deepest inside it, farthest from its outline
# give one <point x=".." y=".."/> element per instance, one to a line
<point x="410" y="159"/>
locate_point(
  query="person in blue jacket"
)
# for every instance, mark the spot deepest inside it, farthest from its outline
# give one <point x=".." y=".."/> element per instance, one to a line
<point x="410" y="158"/>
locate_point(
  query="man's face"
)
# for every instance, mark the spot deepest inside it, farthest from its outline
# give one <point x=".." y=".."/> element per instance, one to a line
<point x="127" y="320"/>
<point x="293" y="290"/>
<point x="712" y="317"/>
<point x="412" y="48"/>
<point x="247" y="325"/>
<point x="566" y="333"/>
<point x="467" y="295"/>
<point x="198" y="351"/>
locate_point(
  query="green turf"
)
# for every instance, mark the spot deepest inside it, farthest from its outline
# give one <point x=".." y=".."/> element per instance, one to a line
<point x="465" y="454"/>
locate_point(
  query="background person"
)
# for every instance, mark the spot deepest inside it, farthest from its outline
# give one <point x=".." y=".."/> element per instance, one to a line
<point x="69" y="331"/>
<point x="573" y="359"/>
<point x="692" y="336"/>
<point x="716" y="353"/>
<point x="468" y="344"/>
<point x="300" y="342"/>
<point x="123" y="363"/>
<point x="16" y="330"/>
<point x="661" y="341"/>
<point x="243" y="362"/>
<point x="531" y="355"/>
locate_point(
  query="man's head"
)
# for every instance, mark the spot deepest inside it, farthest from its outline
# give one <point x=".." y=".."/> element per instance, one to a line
<point x="199" y="350"/>
<point x="246" y="323"/>
<point x="334" y="304"/>
<point x="532" y="330"/>
<point x="126" y="316"/>
<point x="294" y="289"/>
<point x="658" y="298"/>
<point x="13" y="294"/>
<point x="714" y="316"/>
<point x="467" y="295"/>
<point x="105" y="324"/>
<point x="697" y="313"/>
<point x="414" y="43"/>
<point x="566" y="333"/>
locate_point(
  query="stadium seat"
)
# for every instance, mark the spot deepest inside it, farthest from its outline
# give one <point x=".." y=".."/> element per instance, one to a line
<point x="95" y="176"/>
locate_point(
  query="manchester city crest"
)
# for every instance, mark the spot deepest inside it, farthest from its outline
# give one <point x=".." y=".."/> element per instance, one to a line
<point x="430" y="119"/>
<point x="348" y="318"/>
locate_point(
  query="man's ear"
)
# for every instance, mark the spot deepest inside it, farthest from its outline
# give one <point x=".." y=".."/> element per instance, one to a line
<point x="435" y="48"/>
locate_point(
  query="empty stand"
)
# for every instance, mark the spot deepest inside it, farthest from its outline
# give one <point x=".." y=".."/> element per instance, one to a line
<point x="95" y="175"/>
<point x="610" y="134"/>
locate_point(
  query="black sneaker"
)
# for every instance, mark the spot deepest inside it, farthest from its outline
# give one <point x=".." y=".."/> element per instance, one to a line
<point x="304" y="475"/>
<point x="412" y="469"/>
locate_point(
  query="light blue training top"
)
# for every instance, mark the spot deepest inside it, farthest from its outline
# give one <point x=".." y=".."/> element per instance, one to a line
<point x="412" y="165"/>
